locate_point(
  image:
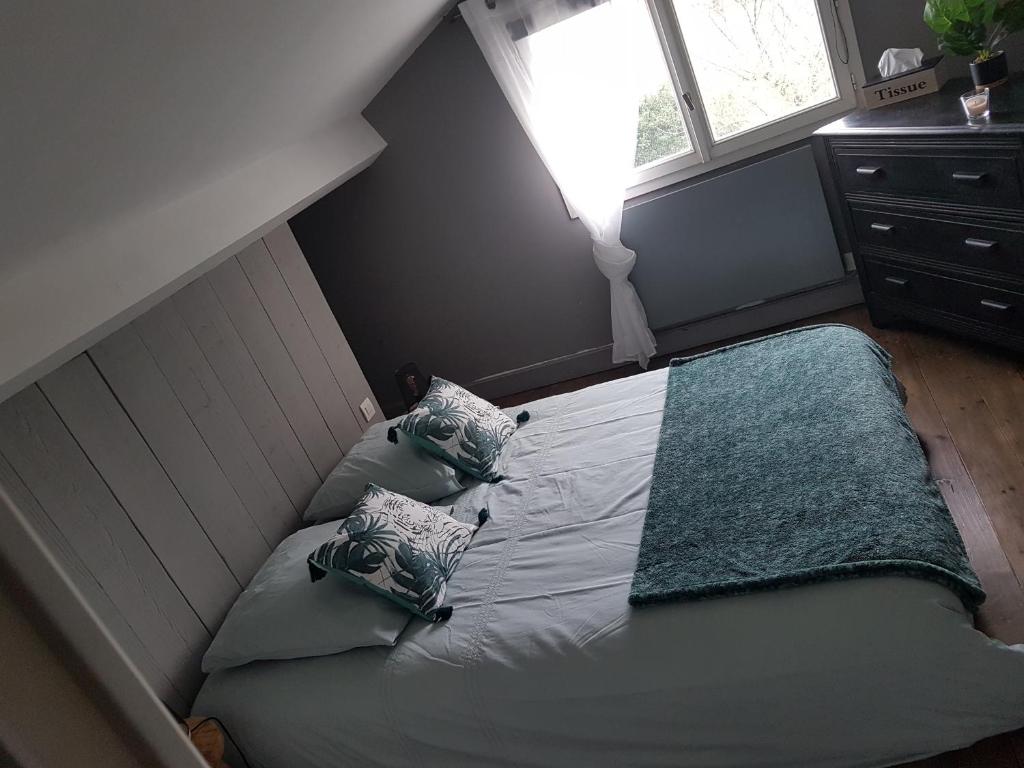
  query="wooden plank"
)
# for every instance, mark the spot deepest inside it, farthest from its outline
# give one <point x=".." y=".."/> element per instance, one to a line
<point x="328" y="334"/>
<point x="275" y="363"/>
<point x="80" y="506"/>
<point x="140" y="386"/>
<point x="215" y="417"/>
<point x="291" y="326"/>
<point x="1000" y="382"/>
<point x="947" y="760"/>
<point x="1002" y="615"/>
<point x="1017" y="739"/>
<point x="1000" y="751"/>
<point x="994" y="752"/>
<point x="83" y="579"/>
<point x="226" y="353"/>
<point x="988" y="457"/>
<point x="115" y="447"/>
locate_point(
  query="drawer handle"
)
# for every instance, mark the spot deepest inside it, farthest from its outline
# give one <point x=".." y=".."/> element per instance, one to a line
<point x="981" y="245"/>
<point x="996" y="305"/>
<point x="883" y="228"/>
<point x="969" y="178"/>
<point x="869" y="170"/>
<point x="899" y="282"/>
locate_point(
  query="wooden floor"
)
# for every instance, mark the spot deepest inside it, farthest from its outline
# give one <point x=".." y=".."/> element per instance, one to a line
<point x="966" y="401"/>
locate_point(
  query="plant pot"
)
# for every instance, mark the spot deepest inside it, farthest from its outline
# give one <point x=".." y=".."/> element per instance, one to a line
<point x="990" y="72"/>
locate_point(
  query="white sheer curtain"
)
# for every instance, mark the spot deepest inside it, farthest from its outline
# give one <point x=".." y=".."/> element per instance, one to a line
<point x="567" y="69"/>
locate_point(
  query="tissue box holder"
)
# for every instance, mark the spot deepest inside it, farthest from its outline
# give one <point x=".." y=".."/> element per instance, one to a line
<point x="928" y="78"/>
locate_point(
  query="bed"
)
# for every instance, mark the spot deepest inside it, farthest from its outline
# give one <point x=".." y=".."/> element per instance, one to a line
<point x="545" y="663"/>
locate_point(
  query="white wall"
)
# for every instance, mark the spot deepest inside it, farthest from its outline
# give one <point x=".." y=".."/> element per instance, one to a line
<point x="167" y="462"/>
<point x="143" y="141"/>
<point x="40" y="693"/>
<point x="113" y="106"/>
<point x="70" y="697"/>
<point x="78" y="290"/>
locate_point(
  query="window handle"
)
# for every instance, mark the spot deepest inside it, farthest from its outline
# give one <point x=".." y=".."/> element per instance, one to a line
<point x="688" y="101"/>
<point x="883" y="228"/>
<point x="869" y="170"/>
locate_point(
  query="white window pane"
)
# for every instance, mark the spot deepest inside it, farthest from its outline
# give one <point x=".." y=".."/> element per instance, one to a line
<point x="554" y="44"/>
<point x="661" y="132"/>
<point x="755" y="61"/>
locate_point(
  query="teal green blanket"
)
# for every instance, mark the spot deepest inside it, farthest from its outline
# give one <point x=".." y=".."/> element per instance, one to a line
<point x="789" y="460"/>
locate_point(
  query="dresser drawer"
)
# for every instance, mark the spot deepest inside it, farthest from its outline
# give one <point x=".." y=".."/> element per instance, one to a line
<point x="978" y="245"/>
<point x="968" y="176"/>
<point x="995" y="306"/>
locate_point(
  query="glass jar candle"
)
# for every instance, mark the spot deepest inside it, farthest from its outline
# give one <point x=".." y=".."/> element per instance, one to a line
<point x="976" y="104"/>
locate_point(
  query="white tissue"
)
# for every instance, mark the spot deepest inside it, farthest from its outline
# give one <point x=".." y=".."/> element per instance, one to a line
<point x="897" y="60"/>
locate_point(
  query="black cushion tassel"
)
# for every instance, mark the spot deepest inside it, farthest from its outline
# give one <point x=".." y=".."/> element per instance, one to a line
<point x="523" y="417"/>
<point x="483" y="516"/>
<point x="393" y="435"/>
<point x="316" y="573"/>
<point x="443" y="613"/>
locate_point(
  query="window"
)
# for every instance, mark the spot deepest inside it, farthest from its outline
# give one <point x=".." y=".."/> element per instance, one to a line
<point x="751" y="74"/>
<point x="569" y="34"/>
<point x="661" y="133"/>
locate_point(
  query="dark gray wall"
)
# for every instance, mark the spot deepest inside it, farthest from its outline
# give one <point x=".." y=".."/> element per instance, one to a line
<point x="454" y="249"/>
<point x="882" y="24"/>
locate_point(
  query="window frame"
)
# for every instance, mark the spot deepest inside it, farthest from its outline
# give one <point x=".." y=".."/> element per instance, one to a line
<point x="707" y="153"/>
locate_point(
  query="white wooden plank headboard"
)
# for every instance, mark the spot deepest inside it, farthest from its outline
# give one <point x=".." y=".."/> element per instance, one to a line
<point x="165" y="463"/>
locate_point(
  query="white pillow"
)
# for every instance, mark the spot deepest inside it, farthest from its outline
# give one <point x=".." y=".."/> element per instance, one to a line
<point x="406" y="469"/>
<point x="281" y="615"/>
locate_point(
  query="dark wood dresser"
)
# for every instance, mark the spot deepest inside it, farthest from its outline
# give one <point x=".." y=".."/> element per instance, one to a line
<point x="934" y="210"/>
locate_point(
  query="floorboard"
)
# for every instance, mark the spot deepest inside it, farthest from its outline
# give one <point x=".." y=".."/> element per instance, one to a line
<point x="966" y="402"/>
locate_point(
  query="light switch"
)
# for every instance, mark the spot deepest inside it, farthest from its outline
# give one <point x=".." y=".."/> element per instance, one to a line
<point x="367" y="408"/>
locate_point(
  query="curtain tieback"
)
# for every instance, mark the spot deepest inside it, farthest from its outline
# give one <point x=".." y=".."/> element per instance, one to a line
<point x="614" y="260"/>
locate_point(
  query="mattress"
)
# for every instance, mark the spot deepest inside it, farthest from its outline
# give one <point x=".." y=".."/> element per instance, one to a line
<point x="544" y="662"/>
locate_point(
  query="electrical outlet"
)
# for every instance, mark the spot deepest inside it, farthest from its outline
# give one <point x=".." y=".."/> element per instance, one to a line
<point x="367" y="408"/>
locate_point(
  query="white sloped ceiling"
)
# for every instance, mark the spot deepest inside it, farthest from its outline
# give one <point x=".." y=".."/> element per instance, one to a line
<point x="128" y="124"/>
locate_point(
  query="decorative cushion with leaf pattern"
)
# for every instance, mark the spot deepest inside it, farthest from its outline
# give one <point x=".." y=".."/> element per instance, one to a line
<point x="460" y="428"/>
<point x="399" y="548"/>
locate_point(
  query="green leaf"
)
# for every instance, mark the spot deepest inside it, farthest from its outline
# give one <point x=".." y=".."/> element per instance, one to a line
<point x="1011" y="14"/>
<point x="961" y="25"/>
<point x="419" y="576"/>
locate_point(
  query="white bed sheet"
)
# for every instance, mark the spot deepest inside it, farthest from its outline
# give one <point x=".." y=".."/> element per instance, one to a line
<point x="545" y="664"/>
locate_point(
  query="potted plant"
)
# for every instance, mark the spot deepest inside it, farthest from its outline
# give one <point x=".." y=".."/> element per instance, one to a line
<point x="976" y="28"/>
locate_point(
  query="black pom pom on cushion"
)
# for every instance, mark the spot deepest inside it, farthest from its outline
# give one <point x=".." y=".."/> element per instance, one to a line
<point x="483" y="516"/>
<point x="523" y="417"/>
<point x="443" y="613"/>
<point x="393" y="435"/>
